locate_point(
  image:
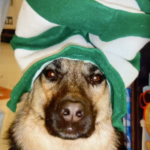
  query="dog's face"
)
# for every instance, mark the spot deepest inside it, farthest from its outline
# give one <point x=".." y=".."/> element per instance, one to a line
<point x="72" y="89"/>
<point x="71" y="97"/>
<point x="69" y="101"/>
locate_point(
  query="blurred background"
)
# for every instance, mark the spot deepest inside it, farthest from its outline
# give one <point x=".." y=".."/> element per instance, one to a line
<point x="10" y="72"/>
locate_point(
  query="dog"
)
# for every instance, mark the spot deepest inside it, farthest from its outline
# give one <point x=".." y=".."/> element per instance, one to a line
<point x="68" y="108"/>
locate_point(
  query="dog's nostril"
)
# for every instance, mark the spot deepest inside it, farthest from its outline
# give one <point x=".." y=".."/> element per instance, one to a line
<point x="72" y="111"/>
<point x="66" y="112"/>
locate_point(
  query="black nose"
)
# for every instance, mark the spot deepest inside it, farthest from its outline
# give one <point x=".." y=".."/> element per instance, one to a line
<point x="72" y="111"/>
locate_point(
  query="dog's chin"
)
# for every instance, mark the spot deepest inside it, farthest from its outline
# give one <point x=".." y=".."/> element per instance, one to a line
<point x="71" y="132"/>
<point x="70" y="135"/>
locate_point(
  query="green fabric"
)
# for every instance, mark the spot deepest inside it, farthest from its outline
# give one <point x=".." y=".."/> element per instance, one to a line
<point x="51" y="37"/>
<point x="93" y="17"/>
<point x="144" y="5"/>
<point x="118" y="92"/>
<point x="136" y="61"/>
<point x="58" y="35"/>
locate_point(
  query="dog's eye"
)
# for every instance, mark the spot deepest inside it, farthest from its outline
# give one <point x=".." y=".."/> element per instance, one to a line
<point x="96" y="78"/>
<point x="51" y="74"/>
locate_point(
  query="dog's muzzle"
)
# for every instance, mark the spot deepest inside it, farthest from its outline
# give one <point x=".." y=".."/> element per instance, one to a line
<point x="70" y="119"/>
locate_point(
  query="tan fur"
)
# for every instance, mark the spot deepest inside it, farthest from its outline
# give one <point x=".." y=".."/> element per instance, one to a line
<point x="30" y="131"/>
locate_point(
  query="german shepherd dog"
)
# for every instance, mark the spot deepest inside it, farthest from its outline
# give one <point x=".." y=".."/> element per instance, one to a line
<point x="68" y="108"/>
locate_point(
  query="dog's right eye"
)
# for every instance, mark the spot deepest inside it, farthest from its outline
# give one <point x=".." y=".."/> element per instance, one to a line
<point x="50" y="74"/>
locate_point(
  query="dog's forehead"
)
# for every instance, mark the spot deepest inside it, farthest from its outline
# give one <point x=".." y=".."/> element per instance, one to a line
<point x="65" y="65"/>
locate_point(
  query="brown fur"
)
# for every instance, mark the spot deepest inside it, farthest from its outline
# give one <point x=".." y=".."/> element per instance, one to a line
<point x="28" y="130"/>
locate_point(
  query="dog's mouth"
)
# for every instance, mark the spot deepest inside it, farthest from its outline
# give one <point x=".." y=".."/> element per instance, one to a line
<point x="70" y="132"/>
<point x="70" y="120"/>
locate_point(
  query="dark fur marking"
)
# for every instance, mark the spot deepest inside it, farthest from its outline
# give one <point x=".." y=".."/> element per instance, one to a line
<point x="93" y="68"/>
<point x="11" y="139"/>
<point x="57" y="63"/>
<point x="122" y="140"/>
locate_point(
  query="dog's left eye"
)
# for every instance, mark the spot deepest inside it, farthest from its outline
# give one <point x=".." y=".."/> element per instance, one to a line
<point x="96" y="78"/>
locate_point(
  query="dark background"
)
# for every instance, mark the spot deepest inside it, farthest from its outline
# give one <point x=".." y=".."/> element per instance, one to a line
<point x="137" y="89"/>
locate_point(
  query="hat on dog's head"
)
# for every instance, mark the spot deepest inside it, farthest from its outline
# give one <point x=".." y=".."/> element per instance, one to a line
<point x="108" y="33"/>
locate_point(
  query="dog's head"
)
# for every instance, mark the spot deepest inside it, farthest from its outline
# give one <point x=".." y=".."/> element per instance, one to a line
<point x="71" y="97"/>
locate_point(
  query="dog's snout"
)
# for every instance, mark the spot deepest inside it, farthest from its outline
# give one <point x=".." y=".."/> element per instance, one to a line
<point x="72" y="111"/>
<point x="70" y="118"/>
